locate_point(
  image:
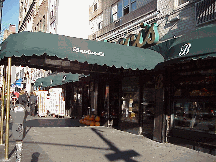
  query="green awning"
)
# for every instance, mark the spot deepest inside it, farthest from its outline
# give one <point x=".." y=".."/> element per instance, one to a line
<point x="199" y="43"/>
<point x="43" y="82"/>
<point x="56" y="79"/>
<point x="93" y="52"/>
<point x="163" y="47"/>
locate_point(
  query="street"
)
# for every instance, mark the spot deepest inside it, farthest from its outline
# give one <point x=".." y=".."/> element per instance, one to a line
<point x="63" y="140"/>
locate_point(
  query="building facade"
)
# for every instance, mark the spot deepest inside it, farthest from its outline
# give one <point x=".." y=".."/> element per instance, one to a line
<point x="167" y="103"/>
<point x="11" y="30"/>
<point x="51" y="16"/>
<point x="1" y="6"/>
<point x="112" y="20"/>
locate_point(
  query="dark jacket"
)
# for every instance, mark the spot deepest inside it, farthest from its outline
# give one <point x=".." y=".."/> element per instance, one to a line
<point x="32" y="100"/>
<point x="23" y="99"/>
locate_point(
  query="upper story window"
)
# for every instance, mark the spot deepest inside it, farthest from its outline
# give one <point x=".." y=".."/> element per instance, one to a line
<point x="51" y="14"/>
<point x="96" y="23"/>
<point x="126" y="3"/>
<point x="100" y="25"/>
<point x="125" y="6"/>
<point x="205" y="11"/>
<point x="119" y="11"/>
<point x="95" y="6"/>
<point x="126" y="10"/>
<point x="180" y="2"/>
<point x="114" y="13"/>
<point x="133" y="5"/>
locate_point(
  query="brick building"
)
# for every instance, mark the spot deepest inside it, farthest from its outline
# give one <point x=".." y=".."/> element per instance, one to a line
<point x="41" y="18"/>
<point x="112" y="20"/>
<point x="11" y="30"/>
<point x="27" y="11"/>
<point x="174" y="107"/>
<point x="50" y="16"/>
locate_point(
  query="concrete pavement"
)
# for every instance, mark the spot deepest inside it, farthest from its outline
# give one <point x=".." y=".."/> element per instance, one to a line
<point x="65" y="140"/>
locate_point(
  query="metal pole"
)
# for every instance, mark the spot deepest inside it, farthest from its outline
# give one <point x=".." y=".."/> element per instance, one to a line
<point x="8" y="109"/>
<point x="2" y="112"/>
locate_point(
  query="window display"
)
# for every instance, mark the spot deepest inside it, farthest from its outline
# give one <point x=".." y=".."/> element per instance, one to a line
<point x="198" y="116"/>
<point x="130" y="99"/>
<point x="130" y="106"/>
<point x="194" y="101"/>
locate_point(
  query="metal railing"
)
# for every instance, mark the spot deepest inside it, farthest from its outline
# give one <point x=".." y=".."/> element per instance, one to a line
<point x="205" y="11"/>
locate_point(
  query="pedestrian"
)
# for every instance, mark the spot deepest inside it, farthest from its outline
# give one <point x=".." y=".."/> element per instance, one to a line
<point x="32" y="102"/>
<point x="16" y="94"/>
<point x="23" y="99"/>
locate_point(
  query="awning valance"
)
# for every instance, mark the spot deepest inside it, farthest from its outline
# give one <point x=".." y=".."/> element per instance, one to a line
<point x="56" y="79"/>
<point x="70" y="48"/>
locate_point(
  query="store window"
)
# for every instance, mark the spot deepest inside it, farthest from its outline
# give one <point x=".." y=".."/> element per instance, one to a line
<point x="130" y="99"/>
<point x="198" y="116"/>
<point x="194" y="103"/>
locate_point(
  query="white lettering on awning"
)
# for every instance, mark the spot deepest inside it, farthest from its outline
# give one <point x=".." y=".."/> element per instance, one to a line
<point x="75" y="49"/>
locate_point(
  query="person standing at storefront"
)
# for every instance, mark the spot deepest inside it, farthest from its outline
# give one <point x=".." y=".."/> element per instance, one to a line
<point x="32" y="102"/>
<point x="193" y="115"/>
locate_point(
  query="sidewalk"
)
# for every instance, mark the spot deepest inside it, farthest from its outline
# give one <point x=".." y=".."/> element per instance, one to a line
<point x="96" y="144"/>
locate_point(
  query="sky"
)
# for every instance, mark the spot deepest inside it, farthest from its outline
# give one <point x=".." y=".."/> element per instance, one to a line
<point x="10" y="15"/>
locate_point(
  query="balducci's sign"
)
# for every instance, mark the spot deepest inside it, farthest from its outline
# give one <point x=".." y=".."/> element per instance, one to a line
<point x="75" y="49"/>
<point x="147" y="36"/>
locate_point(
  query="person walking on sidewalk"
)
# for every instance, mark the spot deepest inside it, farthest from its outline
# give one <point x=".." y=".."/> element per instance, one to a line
<point x="23" y="99"/>
<point x="32" y="102"/>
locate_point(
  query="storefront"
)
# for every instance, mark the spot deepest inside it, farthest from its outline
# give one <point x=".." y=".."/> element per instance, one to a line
<point x="192" y="108"/>
<point x="138" y="102"/>
<point x="189" y="73"/>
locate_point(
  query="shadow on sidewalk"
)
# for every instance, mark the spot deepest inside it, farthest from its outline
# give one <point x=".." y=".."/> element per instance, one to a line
<point x="53" y="123"/>
<point x="35" y="157"/>
<point x="11" y="153"/>
<point x="58" y="144"/>
<point x="118" y="155"/>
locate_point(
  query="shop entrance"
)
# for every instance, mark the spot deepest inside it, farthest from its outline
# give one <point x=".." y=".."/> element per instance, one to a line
<point x="148" y="109"/>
